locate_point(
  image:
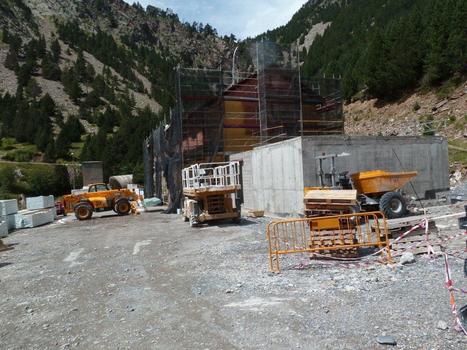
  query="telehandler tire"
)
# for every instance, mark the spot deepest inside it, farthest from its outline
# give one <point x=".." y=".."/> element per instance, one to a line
<point x="122" y="207"/>
<point x="393" y="205"/>
<point x="83" y="211"/>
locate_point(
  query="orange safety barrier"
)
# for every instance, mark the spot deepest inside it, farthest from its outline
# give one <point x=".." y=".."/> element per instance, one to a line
<point x="327" y="234"/>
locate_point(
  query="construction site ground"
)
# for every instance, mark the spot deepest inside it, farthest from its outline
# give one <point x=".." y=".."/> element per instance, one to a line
<point x="152" y="282"/>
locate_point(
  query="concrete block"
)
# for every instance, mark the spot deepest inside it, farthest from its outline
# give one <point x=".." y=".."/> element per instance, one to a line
<point x="40" y="202"/>
<point x="3" y="229"/>
<point x="34" y="218"/>
<point x="9" y="206"/>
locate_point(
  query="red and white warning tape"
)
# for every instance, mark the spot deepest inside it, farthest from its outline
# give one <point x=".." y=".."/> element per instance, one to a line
<point x="450" y="286"/>
<point x="359" y="262"/>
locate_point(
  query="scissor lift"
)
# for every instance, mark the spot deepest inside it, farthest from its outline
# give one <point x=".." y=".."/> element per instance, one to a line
<point x="210" y="191"/>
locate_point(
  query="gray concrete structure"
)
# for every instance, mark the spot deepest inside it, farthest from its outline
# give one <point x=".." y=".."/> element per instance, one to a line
<point x="93" y="172"/>
<point x="275" y="175"/>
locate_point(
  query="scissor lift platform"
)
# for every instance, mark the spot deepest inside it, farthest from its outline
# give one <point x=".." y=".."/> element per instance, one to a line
<point x="210" y="191"/>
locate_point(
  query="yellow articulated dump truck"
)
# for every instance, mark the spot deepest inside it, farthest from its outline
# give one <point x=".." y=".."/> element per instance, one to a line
<point x="99" y="197"/>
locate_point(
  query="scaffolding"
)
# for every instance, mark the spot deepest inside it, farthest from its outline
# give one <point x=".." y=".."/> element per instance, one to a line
<point x="219" y="113"/>
<point x="291" y="105"/>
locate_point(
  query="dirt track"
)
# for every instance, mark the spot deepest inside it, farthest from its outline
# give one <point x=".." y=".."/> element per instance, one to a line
<point x="151" y="282"/>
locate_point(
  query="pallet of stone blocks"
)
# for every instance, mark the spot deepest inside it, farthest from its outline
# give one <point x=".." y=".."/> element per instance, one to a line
<point x="33" y="218"/>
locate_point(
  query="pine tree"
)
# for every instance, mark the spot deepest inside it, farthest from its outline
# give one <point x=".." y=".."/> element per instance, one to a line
<point x="71" y="84"/>
<point x="24" y="73"/>
<point x="377" y="73"/>
<point x="11" y="61"/>
<point x="47" y="105"/>
<point x="56" y="50"/>
<point x="80" y="67"/>
<point x="5" y="35"/>
<point x="456" y="45"/>
<point x="50" y="68"/>
<point x="49" y="154"/>
<point x="33" y="90"/>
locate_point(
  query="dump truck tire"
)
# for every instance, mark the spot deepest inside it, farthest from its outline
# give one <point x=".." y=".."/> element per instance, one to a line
<point x="122" y="207"/>
<point x="393" y="205"/>
<point x="83" y="211"/>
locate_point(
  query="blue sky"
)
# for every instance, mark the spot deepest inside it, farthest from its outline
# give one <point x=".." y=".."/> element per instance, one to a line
<point x="241" y="17"/>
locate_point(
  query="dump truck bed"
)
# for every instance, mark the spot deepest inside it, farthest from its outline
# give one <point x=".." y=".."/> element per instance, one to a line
<point x="379" y="181"/>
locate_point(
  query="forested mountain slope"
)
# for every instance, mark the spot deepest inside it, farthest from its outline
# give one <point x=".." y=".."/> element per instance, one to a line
<point x="87" y="80"/>
<point x="403" y="63"/>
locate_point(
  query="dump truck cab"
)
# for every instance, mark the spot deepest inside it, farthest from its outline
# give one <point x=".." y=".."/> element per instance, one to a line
<point x="99" y="197"/>
<point x="99" y="187"/>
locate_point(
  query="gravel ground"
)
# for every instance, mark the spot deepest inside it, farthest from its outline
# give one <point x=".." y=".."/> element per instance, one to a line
<point x="151" y="282"/>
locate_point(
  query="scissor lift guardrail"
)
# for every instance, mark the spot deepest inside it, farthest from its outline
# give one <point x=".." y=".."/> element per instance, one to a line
<point x="211" y="175"/>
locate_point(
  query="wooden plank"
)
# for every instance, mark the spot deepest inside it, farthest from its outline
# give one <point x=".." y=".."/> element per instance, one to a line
<point x="331" y="195"/>
<point x="416" y="251"/>
<point x="327" y="205"/>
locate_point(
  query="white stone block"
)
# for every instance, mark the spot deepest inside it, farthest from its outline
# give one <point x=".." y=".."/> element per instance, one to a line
<point x="3" y="229"/>
<point x="34" y="218"/>
<point x="8" y="206"/>
<point x="40" y="202"/>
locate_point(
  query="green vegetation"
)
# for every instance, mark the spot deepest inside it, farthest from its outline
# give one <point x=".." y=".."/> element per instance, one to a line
<point x="383" y="46"/>
<point x="458" y="152"/>
<point x="33" y="180"/>
<point x="28" y="118"/>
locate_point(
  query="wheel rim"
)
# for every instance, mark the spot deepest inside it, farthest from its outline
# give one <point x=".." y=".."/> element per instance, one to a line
<point x="124" y="207"/>
<point x="395" y="205"/>
<point x="82" y="212"/>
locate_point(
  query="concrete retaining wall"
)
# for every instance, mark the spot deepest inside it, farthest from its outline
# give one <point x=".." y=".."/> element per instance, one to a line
<point x="274" y="175"/>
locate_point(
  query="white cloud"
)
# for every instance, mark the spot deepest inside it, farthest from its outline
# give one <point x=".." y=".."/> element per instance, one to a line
<point x="242" y="17"/>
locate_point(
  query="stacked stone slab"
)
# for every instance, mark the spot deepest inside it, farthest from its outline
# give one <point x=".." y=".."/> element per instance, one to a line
<point x="8" y="210"/>
<point x="3" y="229"/>
<point x="41" y="202"/>
<point x="40" y="211"/>
<point x="33" y="218"/>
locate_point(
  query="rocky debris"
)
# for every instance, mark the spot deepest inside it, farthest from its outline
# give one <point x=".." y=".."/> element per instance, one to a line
<point x="442" y="325"/>
<point x="181" y="290"/>
<point x="317" y="29"/>
<point x="401" y="118"/>
<point x="459" y="192"/>
<point x="407" y="258"/>
<point x="386" y="340"/>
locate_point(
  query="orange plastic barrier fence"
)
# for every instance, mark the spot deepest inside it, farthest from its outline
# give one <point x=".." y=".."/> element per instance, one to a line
<point x="327" y="234"/>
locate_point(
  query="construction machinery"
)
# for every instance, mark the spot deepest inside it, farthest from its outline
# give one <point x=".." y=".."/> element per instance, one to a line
<point x="99" y="197"/>
<point x="362" y="192"/>
<point x="210" y="192"/>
